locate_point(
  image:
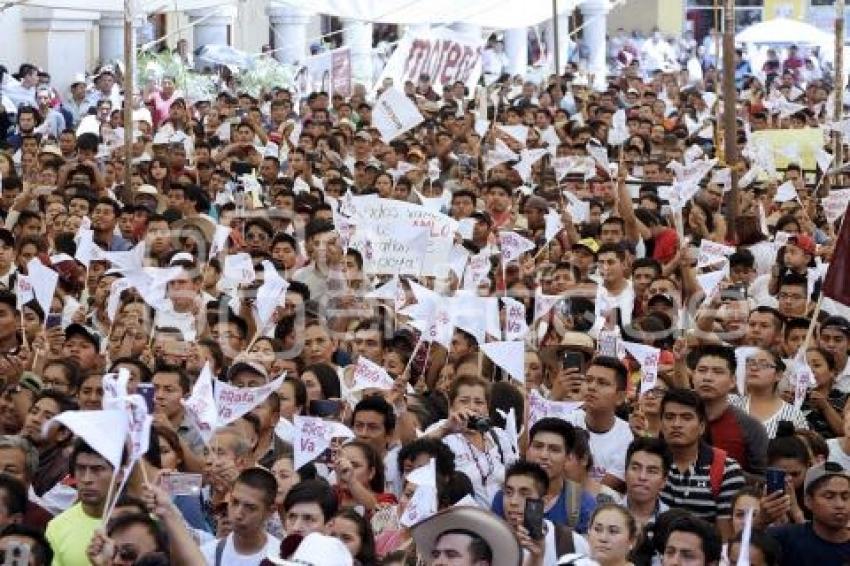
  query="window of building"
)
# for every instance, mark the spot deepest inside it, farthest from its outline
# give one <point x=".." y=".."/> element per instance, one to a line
<point x="707" y="15"/>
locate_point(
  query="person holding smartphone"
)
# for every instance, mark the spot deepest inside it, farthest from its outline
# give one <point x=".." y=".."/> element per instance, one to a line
<point x="525" y="486"/>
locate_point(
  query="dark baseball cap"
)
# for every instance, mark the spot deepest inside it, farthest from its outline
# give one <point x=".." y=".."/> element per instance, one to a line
<point x="88" y="333"/>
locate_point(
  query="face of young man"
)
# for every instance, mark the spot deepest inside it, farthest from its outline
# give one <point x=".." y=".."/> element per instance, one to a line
<point x="683" y="549"/>
<point x="93" y="475"/>
<point x="303" y="519"/>
<point x="369" y="427"/>
<point x="601" y="393"/>
<point x="680" y="425"/>
<point x="712" y="378"/>
<point x="517" y="490"/>
<point x="454" y="550"/>
<point x="645" y="477"/>
<point x="547" y="449"/>
<point x="247" y="509"/>
<point x="830" y="503"/>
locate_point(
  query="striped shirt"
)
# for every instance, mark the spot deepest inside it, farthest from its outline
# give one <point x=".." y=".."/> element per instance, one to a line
<point x="691" y="489"/>
<point x="786" y="412"/>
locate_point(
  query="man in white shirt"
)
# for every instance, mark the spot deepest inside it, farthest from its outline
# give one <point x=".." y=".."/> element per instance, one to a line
<point x="523" y="481"/>
<point x="610" y="436"/>
<point x="250" y="506"/>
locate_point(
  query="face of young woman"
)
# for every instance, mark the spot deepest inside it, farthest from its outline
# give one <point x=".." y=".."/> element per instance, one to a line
<point x="609" y="537"/>
<point x="362" y="472"/>
<point x="346" y="531"/>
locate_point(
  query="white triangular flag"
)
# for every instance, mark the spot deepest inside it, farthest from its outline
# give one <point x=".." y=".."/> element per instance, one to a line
<point x="712" y="252"/>
<point x="233" y="402"/>
<point x="313" y="436"/>
<point x="219" y="241"/>
<point x="553" y="224"/>
<point x="785" y="192"/>
<point x="648" y="358"/>
<point x="543" y="304"/>
<point x="512" y="245"/>
<point x="802" y="378"/>
<point x="741" y="355"/>
<point x="423" y="504"/>
<point x="86" y="248"/>
<point x="510" y="356"/>
<point x="43" y="281"/>
<point x="239" y="268"/>
<point x="91" y="427"/>
<point x="710" y="282"/>
<point x="369" y="375"/>
<point x="394" y="113"/>
<point x="746" y="535"/>
<point x="23" y="290"/>
<point x="516" y="326"/>
<point x="270" y="294"/>
<point x="517" y="132"/>
<point x="200" y="405"/>
<point x="540" y="407"/>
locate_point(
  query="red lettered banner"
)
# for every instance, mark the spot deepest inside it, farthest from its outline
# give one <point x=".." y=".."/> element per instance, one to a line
<point x="447" y="56"/>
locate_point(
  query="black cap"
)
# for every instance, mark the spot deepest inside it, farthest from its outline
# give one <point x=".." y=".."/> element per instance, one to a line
<point x="84" y="331"/>
<point x="482" y="215"/>
<point x="838" y="323"/>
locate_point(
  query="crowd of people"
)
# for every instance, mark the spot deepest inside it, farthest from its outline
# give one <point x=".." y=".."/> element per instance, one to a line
<point x="730" y="445"/>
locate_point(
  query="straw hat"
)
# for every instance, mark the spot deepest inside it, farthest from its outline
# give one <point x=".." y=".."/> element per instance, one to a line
<point x="495" y="532"/>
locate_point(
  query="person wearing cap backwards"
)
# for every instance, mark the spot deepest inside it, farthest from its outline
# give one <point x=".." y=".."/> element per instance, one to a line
<point x="825" y="539"/>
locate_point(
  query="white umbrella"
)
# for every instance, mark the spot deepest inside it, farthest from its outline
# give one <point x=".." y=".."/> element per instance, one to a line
<point x="783" y="31"/>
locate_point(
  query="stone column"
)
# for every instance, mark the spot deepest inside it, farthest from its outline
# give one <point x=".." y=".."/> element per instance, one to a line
<point x="111" y="36"/>
<point x="59" y="41"/>
<point x="358" y="38"/>
<point x="516" y="48"/>
<point x="595" y="13"/>
<point x="211" y="29"/>
<point x="563" y="43"/>
<point x="290" y="33"/>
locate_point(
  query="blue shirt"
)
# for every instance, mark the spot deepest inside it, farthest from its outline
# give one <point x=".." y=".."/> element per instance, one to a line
<point x="558" y="513"/>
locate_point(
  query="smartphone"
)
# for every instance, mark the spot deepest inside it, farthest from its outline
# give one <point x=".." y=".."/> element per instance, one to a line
<point x="146" y="391"/>
<point x="175" y="484"/>
<point x="533" y="518"/>
<point x="54" y="319"/>
<point x="325" y="408"/>
<point x="774" y="480"/>
<point x="572" y="360"/>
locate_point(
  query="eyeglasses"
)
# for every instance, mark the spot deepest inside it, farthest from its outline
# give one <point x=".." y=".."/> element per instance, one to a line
<point x="259" y="236"/>
<point x="656" y="392"/>
<point x="757" y="365"/>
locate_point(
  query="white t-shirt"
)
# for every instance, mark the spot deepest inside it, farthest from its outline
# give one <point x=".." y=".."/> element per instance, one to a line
<point x="231" y="558"/>
<point x="837" y="454"/>
<point x="486" y="470"/>
<point x="608" y="448"/>
<point x="550" y="555"/>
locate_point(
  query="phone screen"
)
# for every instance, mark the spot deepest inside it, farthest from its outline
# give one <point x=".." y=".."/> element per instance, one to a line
<point x="533" y="518"/>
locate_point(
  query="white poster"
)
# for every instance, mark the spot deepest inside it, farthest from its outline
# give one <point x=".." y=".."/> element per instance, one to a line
<point x="446" y="55"/>
<point x="379" y="214"/>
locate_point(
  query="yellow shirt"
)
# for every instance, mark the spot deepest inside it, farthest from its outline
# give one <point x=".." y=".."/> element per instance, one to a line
<point x="69" y="534"/>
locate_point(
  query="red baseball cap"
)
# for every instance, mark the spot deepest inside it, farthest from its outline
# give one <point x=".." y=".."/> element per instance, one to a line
<point x="804" y="242"/>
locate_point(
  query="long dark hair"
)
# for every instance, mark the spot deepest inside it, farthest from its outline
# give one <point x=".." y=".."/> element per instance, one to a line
<point x="364" y="531"/>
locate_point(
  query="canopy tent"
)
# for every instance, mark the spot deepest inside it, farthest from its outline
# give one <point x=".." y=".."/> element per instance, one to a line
<point x="138" y="7"/>
<point x="498" y="14"/>
<point x="782" y="31"/>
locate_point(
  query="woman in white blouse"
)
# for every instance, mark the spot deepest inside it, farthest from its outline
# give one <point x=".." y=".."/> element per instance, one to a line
<point x="764" y="369"/>
<point x="481" y="452"/>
